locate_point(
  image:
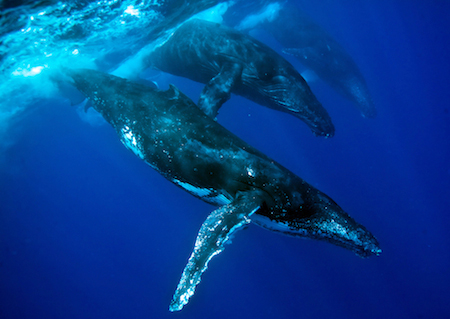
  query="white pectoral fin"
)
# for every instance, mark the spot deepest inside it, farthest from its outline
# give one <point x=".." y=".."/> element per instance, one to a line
<point x="215" y="232"/>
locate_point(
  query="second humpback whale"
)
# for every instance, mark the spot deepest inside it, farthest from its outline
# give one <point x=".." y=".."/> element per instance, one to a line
<point x="316" y="49"/>
<point x="172" y="135"/>
<point x="228" y="61"/>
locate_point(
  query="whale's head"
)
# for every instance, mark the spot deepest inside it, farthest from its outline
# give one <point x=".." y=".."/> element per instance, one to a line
<point x="285" y="90"/>
<point x="317" y="216"/>
<point x="113" y="97"/>
<point x="100" y="88"/>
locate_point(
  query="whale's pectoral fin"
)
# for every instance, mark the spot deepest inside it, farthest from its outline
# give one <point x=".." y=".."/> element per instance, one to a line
<point x="215" y="232"/>
<point x="218" y="89"/>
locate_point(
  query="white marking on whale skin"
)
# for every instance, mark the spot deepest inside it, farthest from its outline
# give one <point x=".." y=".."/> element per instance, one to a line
<point x="219" y="200"/>
<point x="207" y="194"/>
<point x="200" y="192"/>
<point x="130" y="141"/>
<point x="281" y="227"/>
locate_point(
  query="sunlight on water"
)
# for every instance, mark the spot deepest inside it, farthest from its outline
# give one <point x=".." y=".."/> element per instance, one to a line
<point x="268" y="13"/>
<point x="131" y="10"/>
<point x="131" y="68"/>
<point x="37" y="40"/>
<point x="214" y="14"/>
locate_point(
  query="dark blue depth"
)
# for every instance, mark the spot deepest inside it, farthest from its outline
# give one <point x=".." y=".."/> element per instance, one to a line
<point x="87" y="230"/>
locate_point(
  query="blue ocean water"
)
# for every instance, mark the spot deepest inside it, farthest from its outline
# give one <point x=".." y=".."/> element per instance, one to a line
<point x="87" y="230"/>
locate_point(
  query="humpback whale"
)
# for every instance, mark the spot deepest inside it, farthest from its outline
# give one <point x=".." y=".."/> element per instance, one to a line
<point x="172" y="135"/>
<point x="316" y="49"/>
<point x="228" y="61"/>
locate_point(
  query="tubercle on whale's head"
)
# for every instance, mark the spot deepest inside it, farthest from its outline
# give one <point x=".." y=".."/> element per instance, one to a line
<point x="331" y="223"/>
<point x="319" y="217"/>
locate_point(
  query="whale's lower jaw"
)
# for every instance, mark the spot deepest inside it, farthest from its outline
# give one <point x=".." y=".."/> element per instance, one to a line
<point x="357" y="239"/>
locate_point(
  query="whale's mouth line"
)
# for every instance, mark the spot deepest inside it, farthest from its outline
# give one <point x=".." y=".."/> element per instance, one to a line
<point x="362" y="249"/>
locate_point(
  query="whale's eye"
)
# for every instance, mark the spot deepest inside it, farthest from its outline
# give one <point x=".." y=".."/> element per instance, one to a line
<point x="267" y="73"/>
<point x="267" y="76"/>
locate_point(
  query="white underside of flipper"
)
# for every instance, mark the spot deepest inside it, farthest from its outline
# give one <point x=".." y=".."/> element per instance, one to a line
<point x="215" y="232"/>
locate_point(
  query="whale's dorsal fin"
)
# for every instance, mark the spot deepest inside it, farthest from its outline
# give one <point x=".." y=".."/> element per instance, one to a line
<point x="218" y="89"/>
<point x="173" y="91"/>
<point x="215" y="232"/>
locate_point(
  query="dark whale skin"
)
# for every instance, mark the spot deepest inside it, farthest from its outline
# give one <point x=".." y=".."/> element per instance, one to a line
<point x="229" y="61"/>
<point x="171" y="134"/>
